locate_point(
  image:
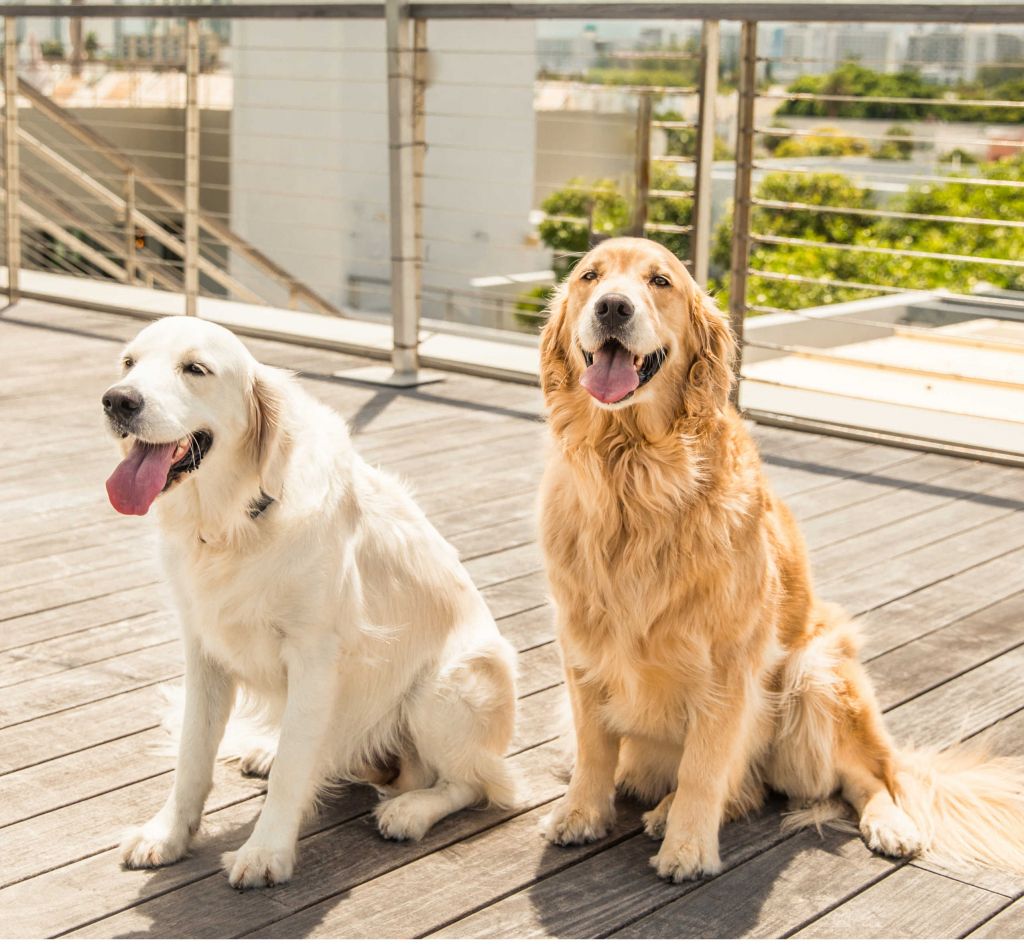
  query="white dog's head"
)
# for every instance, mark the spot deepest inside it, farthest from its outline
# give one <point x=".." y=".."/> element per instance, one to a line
<point x="189" y="390"/>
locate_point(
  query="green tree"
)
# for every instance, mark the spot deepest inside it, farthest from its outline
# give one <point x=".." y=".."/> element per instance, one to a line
<point x="823" y="140"/>
<point x="92" y="45"/>
<point x="897" y="150"/>
<point x="683" y="142"/>
<point x="575" y="211"/>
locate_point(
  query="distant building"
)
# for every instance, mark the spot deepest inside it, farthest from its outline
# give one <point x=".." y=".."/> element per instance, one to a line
<point x="816" y="48"/>
<point x="948" y="54"/>
<point x="167" y="49"/>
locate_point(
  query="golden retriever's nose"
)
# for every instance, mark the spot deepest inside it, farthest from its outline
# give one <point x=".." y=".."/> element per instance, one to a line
<point x="122" y="403"/>
<point x="613" y="311"/>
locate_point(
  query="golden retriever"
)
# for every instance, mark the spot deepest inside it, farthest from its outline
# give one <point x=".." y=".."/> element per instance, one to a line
<point x="313" y="585"/>
<point x="700" y="667"/>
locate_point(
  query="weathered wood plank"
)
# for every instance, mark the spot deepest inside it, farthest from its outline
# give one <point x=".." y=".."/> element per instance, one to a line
<point x="1008" y="924"/>
<point x="910" y="904"/>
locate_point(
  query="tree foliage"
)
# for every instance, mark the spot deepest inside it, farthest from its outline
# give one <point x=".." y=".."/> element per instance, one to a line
<point x="831" y="268"/>
<point x="852" y="79"/>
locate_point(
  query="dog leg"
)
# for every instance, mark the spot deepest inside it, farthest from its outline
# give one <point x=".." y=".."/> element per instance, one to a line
<point x="409" y="815"/>
<point x="209" y="694"/>
<point x="268" y="856"/>
<point x="587" y="811"/>
<point x="711" y="767"/>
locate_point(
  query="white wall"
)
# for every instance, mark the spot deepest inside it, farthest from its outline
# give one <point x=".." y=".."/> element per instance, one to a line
<point x="309" y="154"/>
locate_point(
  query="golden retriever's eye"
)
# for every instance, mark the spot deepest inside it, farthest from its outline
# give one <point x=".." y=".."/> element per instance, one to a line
<point x="197" y="370"/>
<point x="589" y="276"/>
<point x="128" y="363"/>
<point x="659" y="280"/>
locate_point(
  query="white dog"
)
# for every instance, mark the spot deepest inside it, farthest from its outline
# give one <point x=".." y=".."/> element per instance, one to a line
<point x="313" y="584"/>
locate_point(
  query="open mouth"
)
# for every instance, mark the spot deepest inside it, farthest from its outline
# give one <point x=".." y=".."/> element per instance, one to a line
<point x="615" y="373"/>
<point x="152" y="468"/>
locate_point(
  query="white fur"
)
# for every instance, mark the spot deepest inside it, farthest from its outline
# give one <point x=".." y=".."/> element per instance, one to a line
<point x="340" y="613"/>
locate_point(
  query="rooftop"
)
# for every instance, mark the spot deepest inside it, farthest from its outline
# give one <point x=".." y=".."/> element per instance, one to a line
<point x="926" y="549"/>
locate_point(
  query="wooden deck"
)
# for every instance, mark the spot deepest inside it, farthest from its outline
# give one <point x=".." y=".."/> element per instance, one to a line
<point x="927" y="550"/>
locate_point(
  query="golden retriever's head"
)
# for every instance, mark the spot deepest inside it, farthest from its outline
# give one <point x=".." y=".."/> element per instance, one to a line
<point x="190" y="396"/>
<point x="629" y="327"/>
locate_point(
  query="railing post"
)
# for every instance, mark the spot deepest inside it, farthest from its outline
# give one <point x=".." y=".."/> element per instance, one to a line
<point x="741" y="191"/>
<point x="129" y="226"/>
<point x="191" y="166"/>
<point x="700" y="244"/>
<point x="642" y="174"/>
<point x="402" y="149"/>
<point x="12" y="216"/>
<point x="419" y="125"/>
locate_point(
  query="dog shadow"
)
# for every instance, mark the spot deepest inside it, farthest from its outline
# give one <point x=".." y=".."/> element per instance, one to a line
<point x="772" y="882"/>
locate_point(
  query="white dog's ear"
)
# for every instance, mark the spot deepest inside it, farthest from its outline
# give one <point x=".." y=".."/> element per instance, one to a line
<point x="266" y="438"/>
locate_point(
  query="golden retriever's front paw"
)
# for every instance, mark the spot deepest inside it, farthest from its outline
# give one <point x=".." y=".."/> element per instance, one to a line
<point x="253" y="867"/>
<point x="152" y="845"/>
<point x="656" y="820"/>
<point x="679" y="861"/>
<point x="568" y="824"/>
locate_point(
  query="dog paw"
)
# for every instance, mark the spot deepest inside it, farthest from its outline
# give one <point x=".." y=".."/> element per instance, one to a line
<point x="567" y="825"/>
<point x="892" y="833"/>
<point x="680" y="861"/>
<point x="656" y="820"/>
<point x="253" y="867"/>
<point x="152" y="845"/>
<point x="402" y="819"/>
<point x="257" y="762"/>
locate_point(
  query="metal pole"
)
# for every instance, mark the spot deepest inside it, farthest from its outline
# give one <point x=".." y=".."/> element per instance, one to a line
<point x="12" y="187"/>
<point x="419" y="122"/>
<point x="129" y="226"/>
<point x="741" y="192"/>
<point x="700" y="246"/>
<point x="642" y="182"/>
<point x="191" y="166"/>
<point x="401" y="171"/>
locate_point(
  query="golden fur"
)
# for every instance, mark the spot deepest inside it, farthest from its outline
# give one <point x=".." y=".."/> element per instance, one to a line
<point x="701" y="669"/>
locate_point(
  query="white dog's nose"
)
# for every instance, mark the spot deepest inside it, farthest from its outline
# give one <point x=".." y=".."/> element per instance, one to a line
<point x="122" y="403"/>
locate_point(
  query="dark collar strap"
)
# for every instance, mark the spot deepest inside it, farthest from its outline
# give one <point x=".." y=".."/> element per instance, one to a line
<point x="259" y="506"/>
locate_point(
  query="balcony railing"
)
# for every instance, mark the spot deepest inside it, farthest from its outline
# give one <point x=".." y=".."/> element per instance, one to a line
<point x="403" y="163"/>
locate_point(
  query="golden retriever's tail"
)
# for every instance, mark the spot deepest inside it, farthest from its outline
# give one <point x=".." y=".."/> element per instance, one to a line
<point x="968" y="804"/>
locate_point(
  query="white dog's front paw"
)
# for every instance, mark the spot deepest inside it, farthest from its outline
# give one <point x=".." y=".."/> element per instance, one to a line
<point x="891" y="832"/>
<point x="252" y="867"/>
<point x="680" y="859"/>
<point x="402" y="819"/>
<point x="569" y="824"/>
<point x="152" y="845"/>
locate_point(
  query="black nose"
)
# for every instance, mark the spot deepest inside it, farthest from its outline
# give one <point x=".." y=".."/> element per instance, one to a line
<point x="122" y="403"/>
<point x="613" y="310"/>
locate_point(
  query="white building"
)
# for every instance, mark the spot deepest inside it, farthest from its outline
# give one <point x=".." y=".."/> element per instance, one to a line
<point x="309" y="158"/>
<point x="948" y="54"/>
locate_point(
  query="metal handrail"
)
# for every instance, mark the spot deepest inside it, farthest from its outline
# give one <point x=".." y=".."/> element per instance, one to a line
<point x="878" y="136"/>
<point x="878" y="11"/>
<point x="895" y="252"/>
<point x="885" y="213"/>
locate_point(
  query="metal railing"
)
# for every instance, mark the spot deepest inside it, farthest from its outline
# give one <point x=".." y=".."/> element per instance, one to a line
<point x="401" y="65"/>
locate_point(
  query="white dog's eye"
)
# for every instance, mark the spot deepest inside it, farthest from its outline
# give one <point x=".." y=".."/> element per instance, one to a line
<point x="589" y="276"/>
<point x="660" y="281"/>
<point x="128" y="363"/>
<point x="197" y="370"/>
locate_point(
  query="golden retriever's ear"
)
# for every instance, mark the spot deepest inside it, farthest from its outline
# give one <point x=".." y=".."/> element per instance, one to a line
<point x="711" y="374"/>
<point x="266" y="438"/>
<point x="554" y="367"/>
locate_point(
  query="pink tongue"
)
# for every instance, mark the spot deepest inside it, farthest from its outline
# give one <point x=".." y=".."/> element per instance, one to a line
<point x="612" y="375"/>
<point x="138" y="480"/>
